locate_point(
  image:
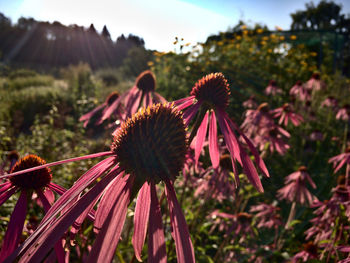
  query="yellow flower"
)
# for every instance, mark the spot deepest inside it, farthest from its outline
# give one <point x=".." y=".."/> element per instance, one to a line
<point x="272" y="36"/>
<point x="245" y="32"/>
<point x="279" y="28"/>
<point x="243" y="27"/>
<point x="150" y="63"/>
<point x="265" y="38"/>
<point x="293" y="37"/>
<point x="238" y="37"/>
<point x="269" y="50"/>
<point x="259" y="30"/>
<point x="263" y="42"/>
<point x="281" y="38"/>
<point x="313" y="54"/>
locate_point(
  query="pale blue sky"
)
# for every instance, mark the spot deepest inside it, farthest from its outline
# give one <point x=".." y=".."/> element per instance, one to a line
<point x="159" y="21"/>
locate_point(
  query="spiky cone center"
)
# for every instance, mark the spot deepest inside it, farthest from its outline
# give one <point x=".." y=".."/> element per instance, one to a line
<point x="225" y="162"/>
<point x="263" y="107"/>
<point x="315" y="75"/>
<point x="273" y="83"/>
<point x="213" y="90"/>
<point x="298" y="83"/>
<point x="244" y="217"/>
<point x="311" y="248"/>
<point x="286" y="107"/>
<point x="146" y="81"/>
<point x="31" y="180"/>
<point x="112" y="97"/>
<point x="13" y="155"/>
<point x="152" y="144"/>
<point x="302" y="169"/>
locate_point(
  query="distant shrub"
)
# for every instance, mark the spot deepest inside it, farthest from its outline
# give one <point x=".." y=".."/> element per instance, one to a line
<point x="22" y="73"/>
<point x="32" y="81"/>
<point x="109" y="77"/>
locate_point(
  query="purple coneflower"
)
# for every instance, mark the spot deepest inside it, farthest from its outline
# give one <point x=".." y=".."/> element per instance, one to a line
<point x="38" y="182"/>
<point x="210" y="97"/>
<point x="339" y="161"/>
<point x="330" y="102"/>
<point x="314" y="83"/>
<point x="217" y="183"/>
<point x="300" y="92"/>
<point x="142" y="94"/>
<point x="274" y="138"/>
<point x="272" y="89"/>
<point x="343" y="113"/>
<point x="286" y="114"/>
<point x="147" y="149"/>
<point x="267" y="215"/>
<point x="295" y="189"/>
<point x="309" y="252"/>
<point x="94" y="117"/>
<point x="250" y="103"/>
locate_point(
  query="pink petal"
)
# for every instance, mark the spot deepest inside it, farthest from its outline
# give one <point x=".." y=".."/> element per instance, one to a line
<point x="141" y="217"/>
<point x="106" y="203"/>
<point x="180" y="233"/>
<point x="57" y="188"/>
<point x="58" y="246"/>
<point x="156" y="240"/>
<point x="181" y="101"/>
<point x="185" y="104"/>
<point x="213" y="142"/>
<point x="190" y="113"/>
<point x="107" y="240"/>
<point x="90" y="156"/>
<point x="15" y="227"/>
<point x="49" y="232"/>
<point x="109" y="110"/>
<point x="260" y="163"/>
<point x="201" y="133"/>
<point x="4" y="196"/>
<point x="88" y="115"/>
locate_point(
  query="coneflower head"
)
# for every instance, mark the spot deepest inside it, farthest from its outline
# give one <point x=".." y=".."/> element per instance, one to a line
<point x="152" y="144"/>
<point x="146" y="81"/>
<point x="31" y="180"/>
<point x="213" y="90"/>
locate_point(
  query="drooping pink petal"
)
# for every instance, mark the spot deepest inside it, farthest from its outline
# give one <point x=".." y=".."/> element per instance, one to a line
<point x="185" y="105"/>
<point x="57" y="188"/>
<point x="107" y="201"/>
<point x="7" y="194"/>
<point x="260" y="163"/>
<point x="88" y="115"/>
<point x="108" y="111"/>
<point x="58" y="246"/>
<point x="49" y="232"/>
<point x="180" y="233"/>
<point x="200" y="137"/>
<point x="84" y="181"/>
<point x="191" y="112"/>
<point x="5" y="186"/>
<point x="141" y="216"/>
<point x="181" y="101"/>
<point x="15" y="227"/>
<point x="90" y="156"/>
<point x="107" y="239"/>
<point x="213" y="142"/>
<point x="156" y="240"/>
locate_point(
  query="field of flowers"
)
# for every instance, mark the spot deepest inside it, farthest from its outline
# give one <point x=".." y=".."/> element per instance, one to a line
<point x="233" y="150"/>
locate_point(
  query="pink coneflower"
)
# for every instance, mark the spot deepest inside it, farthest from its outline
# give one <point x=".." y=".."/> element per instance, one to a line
<point x="295" y="189"/>
<point x="309" y="252"/>
<point x="274" y="138"/>
<point x="210" y="97"/>
<point x="147" y="149"/>
<point x="316" y="136"/>
<point x="142" y="94"/>
<point x="94" y="117"/>
<point x="217" y="183"/>
<point x="339" y="161"/>
<point x="300" y="92"/>
<point x="267" y="215"/>
<point x="330" y="102"/>
<point x="272" y="89"/>
<point x="257" y="121"/>
<point x="286" y="114"/>
<point x="343" y="113"/>
<point x="38" y="182"/>
<point x="250" y="103"/>
<point x="314" y="83"/>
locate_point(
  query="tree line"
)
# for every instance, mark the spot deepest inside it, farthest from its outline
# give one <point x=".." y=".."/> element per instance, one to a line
<point x="43" y="44"/>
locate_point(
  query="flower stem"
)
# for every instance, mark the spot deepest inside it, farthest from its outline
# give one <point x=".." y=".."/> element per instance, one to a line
<point x="291" y="215"/>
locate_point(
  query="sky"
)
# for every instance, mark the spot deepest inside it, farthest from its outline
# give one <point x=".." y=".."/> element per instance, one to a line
<point x="158" y="22"/>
